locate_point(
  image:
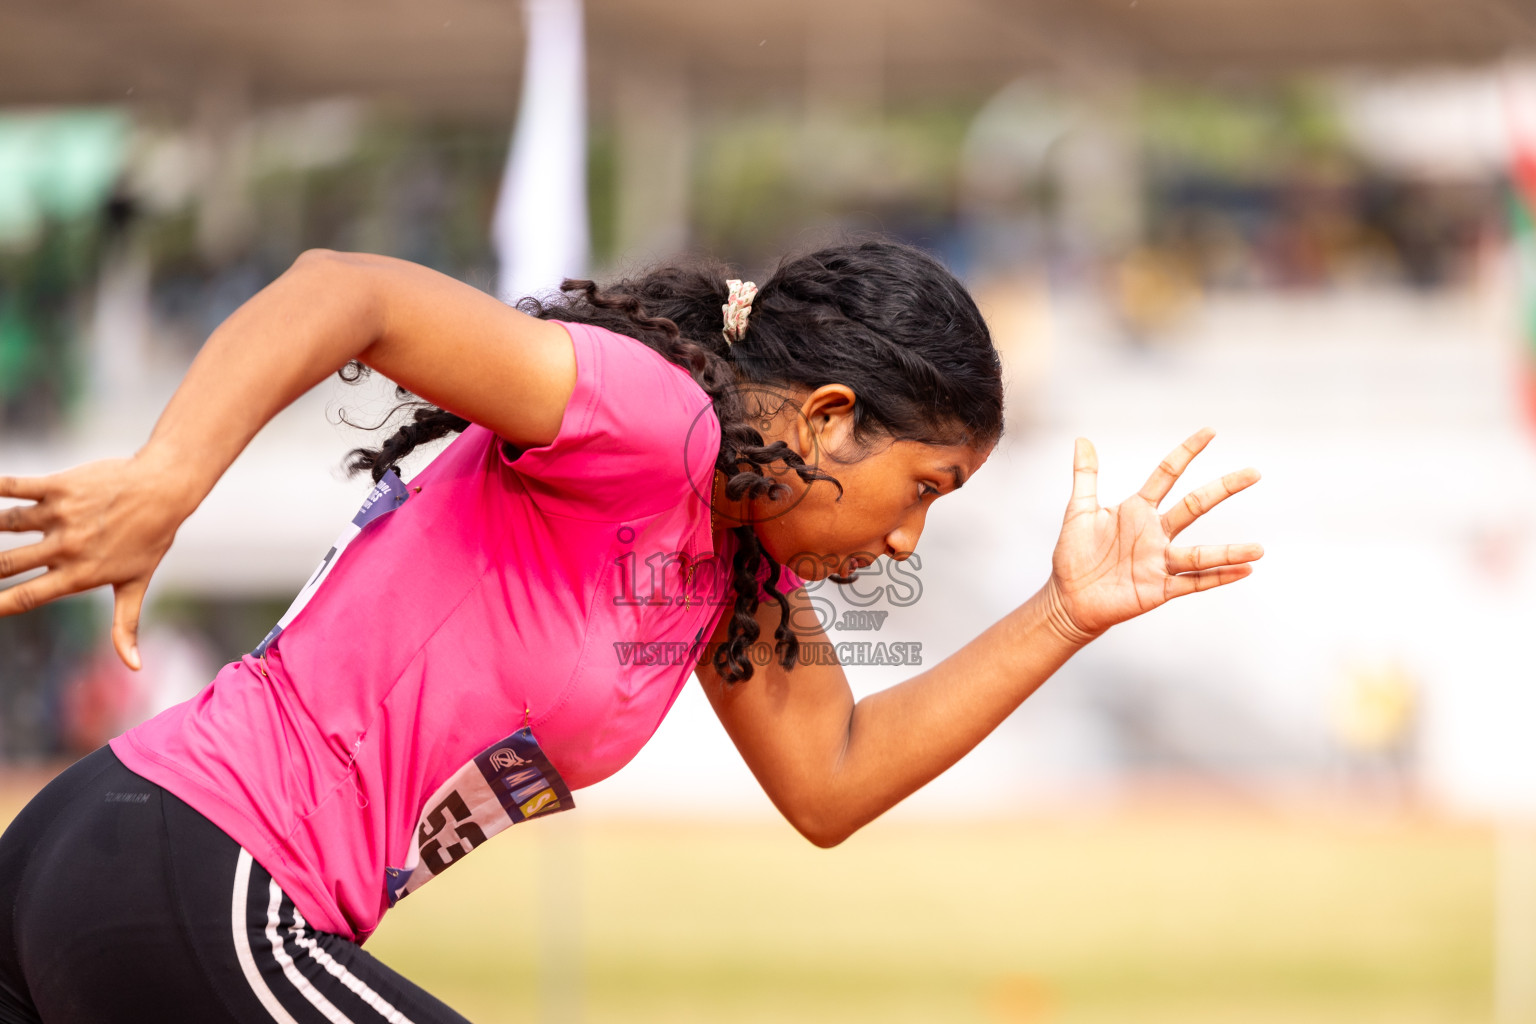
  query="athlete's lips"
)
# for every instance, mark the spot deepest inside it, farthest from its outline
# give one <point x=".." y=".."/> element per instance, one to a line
<point x="850" y="566"/>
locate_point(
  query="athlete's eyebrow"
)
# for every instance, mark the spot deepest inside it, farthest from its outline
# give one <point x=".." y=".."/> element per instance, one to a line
<point x="959" y="477"/>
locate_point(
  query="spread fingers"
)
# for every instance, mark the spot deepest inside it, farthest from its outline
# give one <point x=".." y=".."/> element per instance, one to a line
<point x="27" y="488"/>
<point x="1201" y="500"/>
<point x="24" y="597"/>
<point x="21" y="519"/>
<point x="23" y="559"/>
<point x="1085" y="478"/>
<point x="1205" y="579"/>
<point x="1171" y="468"/>
<point x="1211" y="556"/>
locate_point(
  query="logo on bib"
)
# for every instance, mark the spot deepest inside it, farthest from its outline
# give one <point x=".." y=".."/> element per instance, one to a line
<point x="506" y="758"/>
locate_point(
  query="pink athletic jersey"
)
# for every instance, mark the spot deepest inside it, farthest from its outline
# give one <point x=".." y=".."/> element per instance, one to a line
<point x="387" y="726"/>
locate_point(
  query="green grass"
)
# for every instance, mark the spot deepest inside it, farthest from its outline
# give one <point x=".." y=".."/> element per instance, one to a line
<point x="1154" y="916"/>
<point x="1167" y="914"/>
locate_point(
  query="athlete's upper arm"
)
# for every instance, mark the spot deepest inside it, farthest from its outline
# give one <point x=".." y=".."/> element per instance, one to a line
<point x="790" y="725"/>
<point x="468" y="352"/>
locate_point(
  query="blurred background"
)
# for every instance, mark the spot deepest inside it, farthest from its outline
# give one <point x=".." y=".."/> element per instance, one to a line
<point x="1308" y="797"/>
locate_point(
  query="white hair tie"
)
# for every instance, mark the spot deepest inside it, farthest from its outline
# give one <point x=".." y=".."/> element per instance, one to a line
<point x="738" y="309"/>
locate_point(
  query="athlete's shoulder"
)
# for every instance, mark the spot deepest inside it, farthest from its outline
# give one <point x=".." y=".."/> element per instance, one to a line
<point x="638" y="431"/>
<point x="639" y="394"/>
<point x="634" y="367"/>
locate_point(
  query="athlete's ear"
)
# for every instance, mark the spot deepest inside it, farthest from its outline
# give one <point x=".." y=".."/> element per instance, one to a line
<point x="825" y="420"/>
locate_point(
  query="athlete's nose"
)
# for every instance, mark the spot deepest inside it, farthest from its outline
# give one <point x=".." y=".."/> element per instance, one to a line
<point x="902" y="541"/>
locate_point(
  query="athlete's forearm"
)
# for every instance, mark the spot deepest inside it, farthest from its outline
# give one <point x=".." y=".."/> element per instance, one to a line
<point x="290" y="336"/>
<point x="901" y="738"/>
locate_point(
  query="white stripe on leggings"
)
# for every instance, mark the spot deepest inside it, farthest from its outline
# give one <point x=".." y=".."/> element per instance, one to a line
<point x="243" y="942"/>
<point x="253" y="975"/>
<point x="346" y="977"/>
<point x="290" y="970"/>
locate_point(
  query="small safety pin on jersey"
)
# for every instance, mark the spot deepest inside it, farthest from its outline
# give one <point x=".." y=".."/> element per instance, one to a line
<point x="688" y="584"/>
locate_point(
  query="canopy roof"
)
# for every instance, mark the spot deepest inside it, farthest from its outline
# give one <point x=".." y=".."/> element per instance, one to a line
<point x="464" y="55"/>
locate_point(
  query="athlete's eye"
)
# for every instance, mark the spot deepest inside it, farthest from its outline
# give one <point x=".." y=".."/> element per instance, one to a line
<point x="924" y="490"/>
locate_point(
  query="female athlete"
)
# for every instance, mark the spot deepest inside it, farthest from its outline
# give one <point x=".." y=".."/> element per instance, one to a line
<point x="655" y="466"/>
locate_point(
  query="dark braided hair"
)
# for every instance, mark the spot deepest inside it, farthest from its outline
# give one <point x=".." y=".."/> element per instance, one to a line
<point x="885" y="319"/>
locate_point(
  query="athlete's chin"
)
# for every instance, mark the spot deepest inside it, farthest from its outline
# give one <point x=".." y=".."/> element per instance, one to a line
<point x="814" y="558"/>
<point x="805" y="564"/>
<point x="809" y="565"/>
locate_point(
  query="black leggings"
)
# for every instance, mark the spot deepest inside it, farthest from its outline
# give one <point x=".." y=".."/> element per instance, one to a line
<point x="119" y="903"/>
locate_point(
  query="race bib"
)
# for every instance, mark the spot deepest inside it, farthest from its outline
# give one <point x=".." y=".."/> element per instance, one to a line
<point x="509" y="782"/>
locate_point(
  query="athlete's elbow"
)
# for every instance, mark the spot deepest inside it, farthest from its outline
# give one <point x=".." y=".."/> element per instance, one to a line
<point x="351" y="285"/>
<point x="826" y="840"/>
<point x="823" y="838"/>
<point x="313" y="259"/>
<point x="822" y="829"/>
<point x="334" y="262"/>
<point x="324" y="271"/>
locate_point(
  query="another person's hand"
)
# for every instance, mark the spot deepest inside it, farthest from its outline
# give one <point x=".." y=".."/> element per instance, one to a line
<point x="1112" y="564"/>
<point x="102" y="523"/>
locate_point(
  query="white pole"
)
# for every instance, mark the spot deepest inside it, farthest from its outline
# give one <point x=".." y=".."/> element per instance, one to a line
<point x="540" y="227"/>
<point x="540" y="234"/>
<point x="1515" y="937"/>
<point x="121" y="324"/>
<point x="562" y="970"/>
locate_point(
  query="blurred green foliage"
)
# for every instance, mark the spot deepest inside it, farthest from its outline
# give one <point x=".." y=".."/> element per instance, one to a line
<point x="1233" y="178"/>
<point x="1256" y="133"/>
<point x="58" y="170"/>
<point x="41" y="308"/>
<point x="760" y="180"/>
<point x="58" y="166"/>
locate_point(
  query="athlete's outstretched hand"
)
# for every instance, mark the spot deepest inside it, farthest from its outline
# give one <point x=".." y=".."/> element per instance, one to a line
<point x="1112" y="564"/>
<point x="102" y="523"/>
